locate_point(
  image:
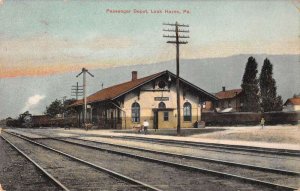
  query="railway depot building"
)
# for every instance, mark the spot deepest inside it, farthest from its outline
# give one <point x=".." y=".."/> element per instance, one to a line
<point x="151" y="98"/>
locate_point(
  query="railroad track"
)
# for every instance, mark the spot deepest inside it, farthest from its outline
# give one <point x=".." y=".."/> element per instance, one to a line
<point x="271" y="175"/>
<point x="230" y="148"/>
<point x="191" y="164"/>
<point x="132" y="148"/>
<point x="26" y="174"/>
<point x="70" y="172"/>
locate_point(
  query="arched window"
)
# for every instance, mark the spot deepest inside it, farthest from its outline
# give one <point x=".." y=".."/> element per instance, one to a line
<point x="161" y="105"/>
<point x="187" y="111"/>
<point x="135" y="112"/>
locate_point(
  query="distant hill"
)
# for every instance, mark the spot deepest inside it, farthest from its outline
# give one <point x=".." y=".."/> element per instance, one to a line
<point x="213" y="73"/>
<point x="209" y="74"/>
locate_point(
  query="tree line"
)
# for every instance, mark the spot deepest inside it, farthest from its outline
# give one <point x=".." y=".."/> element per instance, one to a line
<point x="260" y="93"/>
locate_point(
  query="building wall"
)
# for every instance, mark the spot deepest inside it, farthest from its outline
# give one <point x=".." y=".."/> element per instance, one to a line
<point x="171" y="123"/>
<point x="230" y="103"/>
<point x="148" y="103"/>
<point x="207" y="106"/>
<point x="223" y="104"/>
<point x="291" y="107"/>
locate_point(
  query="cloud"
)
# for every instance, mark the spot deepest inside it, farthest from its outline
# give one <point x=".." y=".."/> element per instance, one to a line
<point x="105" y="42"/>
<point x="32" y="102"/>
<point x="44" y="54"/>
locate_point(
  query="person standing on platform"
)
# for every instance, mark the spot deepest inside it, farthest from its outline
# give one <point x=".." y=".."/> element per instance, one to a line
<point x="262" y="122"/>
<point x="146" y="125"/>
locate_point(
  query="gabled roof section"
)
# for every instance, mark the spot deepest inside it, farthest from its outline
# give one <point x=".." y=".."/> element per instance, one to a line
<point x="210" y="96"/>
<point x="293" y="101"/>
<point x="228" y="94"/>
<point x="116" y="91"/>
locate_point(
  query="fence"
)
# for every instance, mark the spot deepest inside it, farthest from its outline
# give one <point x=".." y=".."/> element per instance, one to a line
<point x="250" y="118"/>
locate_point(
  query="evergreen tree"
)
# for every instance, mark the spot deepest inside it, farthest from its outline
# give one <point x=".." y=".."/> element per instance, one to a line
<point x="268" y="90"/>
<point x="250" y="87"/>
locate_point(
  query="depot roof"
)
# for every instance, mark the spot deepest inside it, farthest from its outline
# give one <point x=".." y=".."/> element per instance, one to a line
<point x="118" y="90"/>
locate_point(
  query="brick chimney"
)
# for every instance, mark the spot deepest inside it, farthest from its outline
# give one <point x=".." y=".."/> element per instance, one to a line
<point x="134" y="75"/>
<point x="223" y="88"/>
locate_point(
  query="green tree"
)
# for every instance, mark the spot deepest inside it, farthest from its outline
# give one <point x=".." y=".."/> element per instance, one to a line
<point x="56" y="107"/>
<point x="59" y="107"/>
<point x="250" y="87"/>
<point x="268" y="90"/>
<point x="69" y="111"/>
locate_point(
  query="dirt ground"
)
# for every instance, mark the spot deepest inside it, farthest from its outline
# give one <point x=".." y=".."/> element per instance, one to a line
<point x="271" y="134"/>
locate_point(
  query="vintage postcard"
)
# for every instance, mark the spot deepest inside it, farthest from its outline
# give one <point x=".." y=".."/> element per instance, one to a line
<point x="149" y="95"/>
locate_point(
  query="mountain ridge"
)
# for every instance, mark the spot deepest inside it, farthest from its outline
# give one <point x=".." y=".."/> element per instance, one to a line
<point x="209" y="74"/>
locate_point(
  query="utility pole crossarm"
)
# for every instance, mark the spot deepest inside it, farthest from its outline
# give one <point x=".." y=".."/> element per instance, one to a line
<point x="187" y="31"/>
<point x="168" y="36"/>
<point x="169" y="30"/>
<point x="79" y="74"/>
<point x="179" y="42"/>
<point x="90" y="73"/>
<point x="176" y="24"/>
<point x="77" y="90"/>
<point x="172" y="30"/>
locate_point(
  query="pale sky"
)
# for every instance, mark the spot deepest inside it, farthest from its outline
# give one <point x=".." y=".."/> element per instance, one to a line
<point x="52" y="36"/>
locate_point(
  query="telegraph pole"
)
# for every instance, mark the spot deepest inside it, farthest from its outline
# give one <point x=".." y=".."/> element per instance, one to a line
<point x="177" y="41"/>
<point x="83" y="72"/>
<point x="77" y="91"/>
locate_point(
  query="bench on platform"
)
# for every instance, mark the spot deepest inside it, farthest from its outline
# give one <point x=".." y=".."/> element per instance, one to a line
<point x="138" y="127"/>
<point x="88" y="126"/>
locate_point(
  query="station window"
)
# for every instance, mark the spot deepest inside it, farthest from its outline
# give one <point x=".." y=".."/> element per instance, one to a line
<point x="166" y="116"/>
<point x="135" y="112"/>
<point x="162" y="105"/>
<point x="187" y="111"/>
